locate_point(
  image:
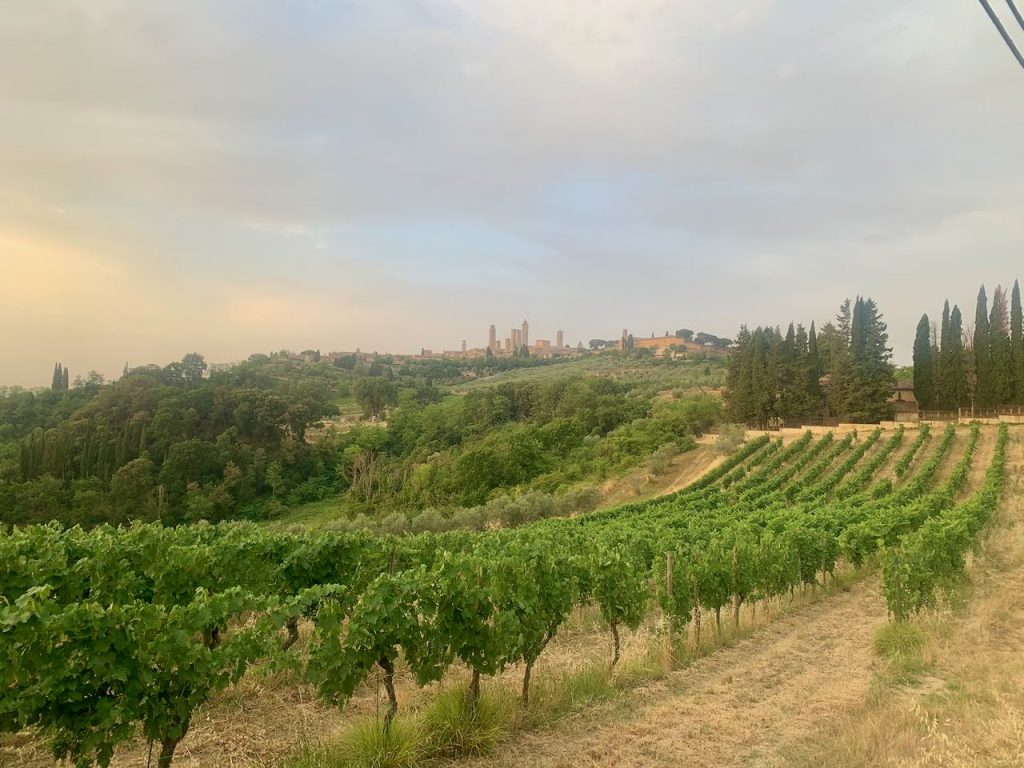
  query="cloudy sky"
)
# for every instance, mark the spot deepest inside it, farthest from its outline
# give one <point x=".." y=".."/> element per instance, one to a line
<point x="233" y="177"/>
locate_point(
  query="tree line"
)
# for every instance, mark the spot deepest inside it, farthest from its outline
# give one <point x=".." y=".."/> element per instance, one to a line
<point x="174" y="444"/>
<point x="844" y="370"/>
<point x="975" y="366"/>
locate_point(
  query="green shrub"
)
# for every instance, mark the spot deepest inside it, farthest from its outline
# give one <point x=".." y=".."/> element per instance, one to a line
<point x="366" y="744"/>
<point x="899" y="638"/>
<point x="454" y="728"/>
<point x="902" y="644"/>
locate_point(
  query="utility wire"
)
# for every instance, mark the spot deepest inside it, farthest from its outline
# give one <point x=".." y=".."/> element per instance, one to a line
<point x="1016" y="13"/>
<point x="1002" y="30"/>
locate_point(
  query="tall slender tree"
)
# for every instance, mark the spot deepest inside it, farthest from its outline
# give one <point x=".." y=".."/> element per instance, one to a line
<point x="955" y="372"/>
<point x="1017" y="344"/>
<point x="924" y="383"/>
<point x="762" y="383"/>
<point x="813" y="368"/>
<point x="739" y="394"/>
<point x="871" y="371"/>
<point x="982" y="348"/>
<point x="944" y="391"/>
<point x="790" y="384"/>
<point x="839" y="366"/>
<point x="1000" y="352"/>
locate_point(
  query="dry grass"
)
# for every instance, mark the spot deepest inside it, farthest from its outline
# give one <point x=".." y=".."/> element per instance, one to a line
<point x="730" y="706"/>
<point x="967" y="708"/>
<point x="643" y="484"/>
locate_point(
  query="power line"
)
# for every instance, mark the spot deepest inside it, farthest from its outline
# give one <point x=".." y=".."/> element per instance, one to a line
<point x="1016" y="13"/>
<point x="1002" y="30"/>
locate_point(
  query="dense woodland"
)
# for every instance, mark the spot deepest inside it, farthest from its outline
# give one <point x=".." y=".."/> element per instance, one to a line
<point x="974" y="366"/>
<point x="179" y="443"/>
<point x="843" y="370"/>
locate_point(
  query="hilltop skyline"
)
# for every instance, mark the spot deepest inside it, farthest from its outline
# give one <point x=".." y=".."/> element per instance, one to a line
<point x="239" y="177"/>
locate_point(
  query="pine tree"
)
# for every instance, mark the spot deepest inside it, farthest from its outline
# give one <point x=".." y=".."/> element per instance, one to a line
<point x="844" y="320"/>
<point x="1017" y="344"/>
<point x="923" y="364"/>
<point x="982" y="347"/>
<point x="1000" y="351"/>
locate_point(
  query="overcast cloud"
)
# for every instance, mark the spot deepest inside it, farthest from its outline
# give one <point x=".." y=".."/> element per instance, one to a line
<point x="235" y="177"/>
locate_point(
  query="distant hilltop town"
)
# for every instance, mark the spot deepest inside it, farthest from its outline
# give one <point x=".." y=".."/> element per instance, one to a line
<point x="518" y="343"/>
<point x="681" y="344"/>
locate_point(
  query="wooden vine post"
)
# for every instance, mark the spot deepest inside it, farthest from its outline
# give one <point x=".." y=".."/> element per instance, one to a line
<point x="671" y="603"/>
<point x="696" y="616"/>
<point x="737" y="601"/>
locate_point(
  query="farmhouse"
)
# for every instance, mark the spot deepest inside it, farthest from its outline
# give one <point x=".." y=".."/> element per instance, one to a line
<point x="903" y="402"/>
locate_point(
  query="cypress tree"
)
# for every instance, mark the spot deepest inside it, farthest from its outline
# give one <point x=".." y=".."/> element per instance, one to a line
<point x="956" y="366"/>
<point x="944" y="332"/>
<point x="815" y="397"/>
<point x="871" y="370"/>
<point x="839" y="366"/>
<point x="763" y="385"/>
<point x="64" y="380"/>
<point x="55" y="382"/>
<point x="923" y="379"/>
<point x="789" y="405"/>
<point x="1017" y="344"/>
<point x="1000" y="351"/>
<point x="739" y="395"/>
<point x="943" y="386"/>
<point x="813" y="357"/>
<point x="802" y="346"/>
<point x="982" y="352"/>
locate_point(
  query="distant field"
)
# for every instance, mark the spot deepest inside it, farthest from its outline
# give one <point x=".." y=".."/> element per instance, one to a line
<point x="664" y="374"/>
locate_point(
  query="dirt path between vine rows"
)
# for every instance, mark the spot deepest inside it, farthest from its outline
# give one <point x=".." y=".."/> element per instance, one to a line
<point x="735" y="707"/>
<point x="966" y="706"/>
<point x="746" y="705"/>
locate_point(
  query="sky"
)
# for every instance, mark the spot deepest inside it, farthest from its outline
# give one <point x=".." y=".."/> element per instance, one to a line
<point x="236" y="177"/>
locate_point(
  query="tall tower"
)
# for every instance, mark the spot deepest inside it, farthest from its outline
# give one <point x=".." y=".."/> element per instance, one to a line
<point x="560" y="340"/>
<point x="526" y="334"/>
<point x="463" y="347"/>
<point x="492" y="338"/>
